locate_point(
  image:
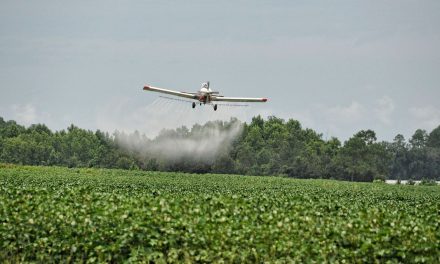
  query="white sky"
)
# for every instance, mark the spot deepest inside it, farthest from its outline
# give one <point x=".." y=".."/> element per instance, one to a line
<point x="336" y="66"/>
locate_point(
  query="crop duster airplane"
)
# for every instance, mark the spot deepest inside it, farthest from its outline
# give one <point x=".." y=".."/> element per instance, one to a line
<point x="204" y="96"/>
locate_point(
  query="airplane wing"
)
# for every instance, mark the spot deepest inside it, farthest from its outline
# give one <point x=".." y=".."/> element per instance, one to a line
<point x="171" y="92"/>
<point x="237" y="99"/>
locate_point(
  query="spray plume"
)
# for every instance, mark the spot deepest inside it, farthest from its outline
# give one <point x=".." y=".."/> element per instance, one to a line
<point x="201" y="144"/>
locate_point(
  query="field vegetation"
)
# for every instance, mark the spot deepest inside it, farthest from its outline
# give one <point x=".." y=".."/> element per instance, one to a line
<point x="55" y="214"/>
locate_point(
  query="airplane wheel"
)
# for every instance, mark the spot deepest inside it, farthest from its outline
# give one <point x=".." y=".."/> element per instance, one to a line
<point x="194" y="105"/>
<point x="215" y="107"/>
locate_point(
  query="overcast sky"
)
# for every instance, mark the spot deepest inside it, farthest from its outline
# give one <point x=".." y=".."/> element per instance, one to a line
<point x="336" y="66"/>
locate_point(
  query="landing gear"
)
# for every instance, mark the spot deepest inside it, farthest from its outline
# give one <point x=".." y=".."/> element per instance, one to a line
<point x="194" y="105"/>
<point x="215" y="107"/>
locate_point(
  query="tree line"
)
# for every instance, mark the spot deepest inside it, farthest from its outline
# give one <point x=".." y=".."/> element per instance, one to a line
<point x="262" y="147"/>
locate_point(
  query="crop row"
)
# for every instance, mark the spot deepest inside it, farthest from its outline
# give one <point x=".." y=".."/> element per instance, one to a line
<point x="70" y="215"/>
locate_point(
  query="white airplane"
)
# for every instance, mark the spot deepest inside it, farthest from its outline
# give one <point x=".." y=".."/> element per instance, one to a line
<point x="204" y="96"/>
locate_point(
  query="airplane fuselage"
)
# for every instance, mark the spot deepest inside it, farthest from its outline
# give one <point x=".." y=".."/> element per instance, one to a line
<point x="204" y="95"/>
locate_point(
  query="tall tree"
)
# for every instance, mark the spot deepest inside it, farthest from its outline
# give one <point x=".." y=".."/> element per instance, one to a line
<point x="360" y="159"/>
<point x="399" y="164"/>
<point x="434" y="138"/>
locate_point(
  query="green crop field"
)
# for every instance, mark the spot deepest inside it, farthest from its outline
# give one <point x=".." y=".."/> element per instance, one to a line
<point x="56" y="214"/>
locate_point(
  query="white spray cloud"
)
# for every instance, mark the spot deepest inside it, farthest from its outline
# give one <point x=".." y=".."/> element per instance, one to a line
<point x="201" y="143"/>
<point x="171" y="130"/>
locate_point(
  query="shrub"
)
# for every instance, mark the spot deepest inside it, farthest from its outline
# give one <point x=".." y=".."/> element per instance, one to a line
<point x="410" y="182"/>
<point x="379" y="181"/>
<point x="428" y="182"/>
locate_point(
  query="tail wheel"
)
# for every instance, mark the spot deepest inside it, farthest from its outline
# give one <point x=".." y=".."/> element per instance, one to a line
<point x="194" y="105"/>
<point x="215" y="107"/>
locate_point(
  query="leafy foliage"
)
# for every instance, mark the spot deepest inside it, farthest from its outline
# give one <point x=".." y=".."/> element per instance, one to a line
<point x="96" y="215"/>
<point x="262" y="147"/>
<point x="76" y="147"/>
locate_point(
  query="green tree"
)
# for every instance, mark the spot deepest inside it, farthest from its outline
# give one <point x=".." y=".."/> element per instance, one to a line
<point x="419" y="139"/>
<point x="399" y="159"/>
<point x="434" y="138"/>
<point x="360" y="158"/>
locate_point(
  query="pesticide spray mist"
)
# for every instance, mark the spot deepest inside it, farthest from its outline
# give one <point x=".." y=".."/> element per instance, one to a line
<point x="199" y="144"/>
<point x="202" y="143"/>
<point x="197" y="141"/>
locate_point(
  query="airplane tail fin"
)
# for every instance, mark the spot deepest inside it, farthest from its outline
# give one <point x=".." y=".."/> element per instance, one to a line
<point x="205" y="85"/>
